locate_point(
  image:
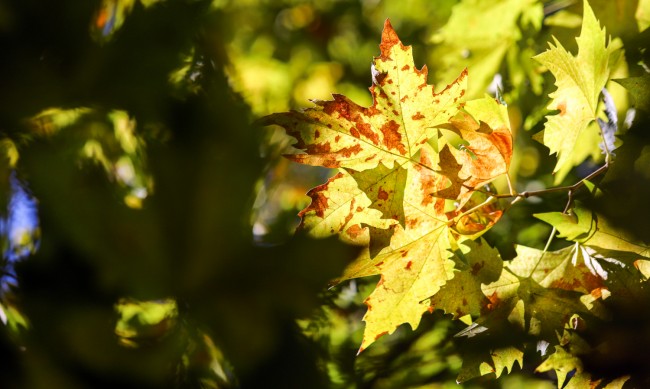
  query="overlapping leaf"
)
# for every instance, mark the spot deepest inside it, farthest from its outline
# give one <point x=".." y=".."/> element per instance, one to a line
<point x="539" y="291"/>
<point x="496" y="361"/>
<point x="579" y="81"/>
<point x="476" y="264"/>
<point x="569" y="369"/>
<point x="586" y="228"/>
<point x="408" y="166"/>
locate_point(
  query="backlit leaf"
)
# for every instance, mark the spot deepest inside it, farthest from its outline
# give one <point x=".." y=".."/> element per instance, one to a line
<point x="579" y="80"/>
<point x="588" y="229"/>
<point x="408" y="166"/>
<point x="539" y="291"/>
<point x="477" y="264"/>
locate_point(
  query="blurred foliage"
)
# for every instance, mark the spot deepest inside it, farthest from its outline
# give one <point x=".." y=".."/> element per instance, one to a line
<point x="162" y="252"/>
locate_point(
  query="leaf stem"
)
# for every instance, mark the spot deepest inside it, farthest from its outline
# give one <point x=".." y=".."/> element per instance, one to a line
<point x="489" y="200"/>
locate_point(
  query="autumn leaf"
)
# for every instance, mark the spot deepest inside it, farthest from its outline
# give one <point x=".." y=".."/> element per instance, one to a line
<point x="569" y="369"/>
<point x="539" y="291"/>
<point x="404" y="115"/>
<point x="476" y="263"/>
<point x="408" y="167"/>
<point x="579" y="80"/>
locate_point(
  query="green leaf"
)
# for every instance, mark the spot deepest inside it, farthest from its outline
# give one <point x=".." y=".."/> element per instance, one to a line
<point x="588" y="229"/>
<point x="563" y="363"/>
<point x="579" y="81"/>
<point x="477" y="264"/>
<point x="639" y="88"/>
<point x="496" y="361"/>
<point x="539" y="291"/>
<point x="479" y="35"/>
<point x="385" y="188"/>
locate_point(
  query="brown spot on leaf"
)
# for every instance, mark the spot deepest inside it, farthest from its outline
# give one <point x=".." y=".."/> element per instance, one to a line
<point x="392" y="137"/>
<point x="408" y="265"/>
<point x="417" y="116"/>
<point x="395" y="112"/>
<point x="355" y="133"/>
<point x="318" y="148"/>
<point x="354" y="231"/>
<point x="318" y="199"/>
<point x="366" y="130"/>
<point x="350" y="215"/>
<point x="316" y="134"/>
<point x="405" y="68"/>
<point x="412" y="222"/>
<point x="337" y="138"/>
<point x="562" y="108"/>
<point x="382" y="194"/>
<point x="494" y="301"/>
<point x="379" y="78"/>
<point x="389" y="39"/>
<point x="404" y="253"/>
<point x="562" y="284"/>
<point x="359" y="209"/>
<point x="477" y="267"/>
<point x="464" y="301"/>
<point x="348" y="151"/>
<point x="597" y="293"/>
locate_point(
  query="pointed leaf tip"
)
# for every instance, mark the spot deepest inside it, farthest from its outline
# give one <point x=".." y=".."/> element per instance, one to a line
<point x="389" y="39"/>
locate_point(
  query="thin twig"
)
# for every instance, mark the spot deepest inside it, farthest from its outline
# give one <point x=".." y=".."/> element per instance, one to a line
<point x="489" y="200"/>
<point x="570" y="188"/>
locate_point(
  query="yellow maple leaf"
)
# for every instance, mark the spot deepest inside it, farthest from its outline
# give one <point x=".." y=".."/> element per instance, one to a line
<point x="579" y="81"/>
<point x="408" y="165"/>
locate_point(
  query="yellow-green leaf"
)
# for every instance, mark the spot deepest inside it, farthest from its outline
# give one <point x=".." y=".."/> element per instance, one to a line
<point x="408" y="166"/>
<point x="539" y="291"/>
<point x="477" y="264"/>
<point x="496" y="362"/>
<point x="579" y="80"/>
<point x="588" y="229"/>
<point x="403" y="116"/>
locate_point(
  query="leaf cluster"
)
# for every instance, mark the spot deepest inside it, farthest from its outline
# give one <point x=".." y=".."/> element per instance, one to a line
<point x="411" y="191"/>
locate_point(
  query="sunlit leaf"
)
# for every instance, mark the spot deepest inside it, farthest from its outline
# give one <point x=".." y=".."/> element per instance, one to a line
<point x="403" y="162"/>
<point x="579" y="80"/>
<point x="477" y="264"/>
<point x="473" y="38"/>
<point x="539" y="291"/>
<point x="587" y="228"/>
